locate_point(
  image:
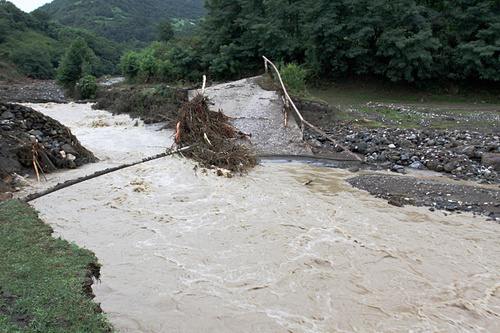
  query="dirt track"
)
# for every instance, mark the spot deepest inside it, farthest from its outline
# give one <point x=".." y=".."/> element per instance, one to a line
<point x="259" y="112"/>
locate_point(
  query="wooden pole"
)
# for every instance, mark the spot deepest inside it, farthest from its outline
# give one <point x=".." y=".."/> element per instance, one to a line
<point x="96" y="174"/>
<point x="332" y="140"/>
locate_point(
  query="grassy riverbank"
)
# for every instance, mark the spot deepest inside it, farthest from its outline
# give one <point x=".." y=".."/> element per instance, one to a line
<point x="359" y="91"/>
<point x="45" y="282"/>
<point x="376" y="104"/>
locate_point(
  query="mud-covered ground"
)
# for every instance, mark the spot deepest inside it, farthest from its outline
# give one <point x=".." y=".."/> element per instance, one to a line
<point x="466" y="156"/>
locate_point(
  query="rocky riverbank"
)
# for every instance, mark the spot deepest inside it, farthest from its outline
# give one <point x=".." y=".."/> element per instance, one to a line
<point x="461" y="154"/>
<point x="28" y="136"/>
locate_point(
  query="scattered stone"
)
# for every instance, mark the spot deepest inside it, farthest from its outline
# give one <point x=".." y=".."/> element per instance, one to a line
<point x="7" y="115"/>
<point x="6" y="196"/>
<point x="69" y="150"/>
<point x="417" y="165"/>
<point x="459" y="154"/>
<point x="431" y="193"/>
<point x="353" y="169"/>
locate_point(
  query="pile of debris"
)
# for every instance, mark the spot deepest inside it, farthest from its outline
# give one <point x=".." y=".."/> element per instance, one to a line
<point x="30" y="140"/>
<point x="215" y="138"/>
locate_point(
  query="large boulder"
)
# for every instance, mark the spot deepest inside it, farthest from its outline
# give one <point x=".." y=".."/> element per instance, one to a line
<point x="491" y="159"/>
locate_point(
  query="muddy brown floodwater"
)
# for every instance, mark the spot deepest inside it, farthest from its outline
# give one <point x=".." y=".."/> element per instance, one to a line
<point x="185" y="251"/>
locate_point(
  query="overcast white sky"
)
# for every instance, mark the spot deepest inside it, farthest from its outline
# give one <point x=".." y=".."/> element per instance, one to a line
<point x="29" y="5"/>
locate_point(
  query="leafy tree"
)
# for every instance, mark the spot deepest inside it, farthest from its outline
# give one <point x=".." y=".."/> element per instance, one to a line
<point x="130" y="64"/>
<point x="41" y="20"/>
<point x="284" y="31"/>
<point x="186" y="58"/>
<point x="402" y="40"/>
<point x="165" y="31"/>
<point x="406" y="46"/>
<point x="179" y="60"/>
<point x="125" y="20"/>
<point x="87" y="87"/>
<point x="79" y="61"/>
<point x="35" y="44"/>
<point x="149" y="65"/>
<point x="4" y="28"/>
<point x="471" y="43"/>
<point x="231" y="35"/>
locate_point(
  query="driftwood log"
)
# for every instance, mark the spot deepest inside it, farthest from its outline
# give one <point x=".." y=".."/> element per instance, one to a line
<point x="96" y="174"/>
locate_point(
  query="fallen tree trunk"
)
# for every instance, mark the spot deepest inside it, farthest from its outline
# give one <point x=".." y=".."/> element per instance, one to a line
<point x="96" y="174"/>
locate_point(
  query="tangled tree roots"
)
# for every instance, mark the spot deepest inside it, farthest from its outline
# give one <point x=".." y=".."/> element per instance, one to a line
<point x="214" y="136"/>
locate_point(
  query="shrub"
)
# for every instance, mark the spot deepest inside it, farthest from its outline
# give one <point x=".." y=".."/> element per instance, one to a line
<point x="294" y="78"/>
<point x="130" y="64"/>
<point x="87" y="87"/>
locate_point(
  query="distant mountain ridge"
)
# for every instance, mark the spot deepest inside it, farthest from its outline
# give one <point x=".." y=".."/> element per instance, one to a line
<point x="126" y="20"/>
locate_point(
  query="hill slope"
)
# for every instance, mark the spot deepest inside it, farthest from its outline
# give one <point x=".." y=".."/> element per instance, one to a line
<point x="125" y="20"/>
<point x="32" y="45"/>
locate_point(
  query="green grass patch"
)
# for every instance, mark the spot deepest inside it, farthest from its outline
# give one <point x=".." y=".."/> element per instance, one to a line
<point x="360" y="90"/>
<point x="452" y="125"/>
<point x="43" y="280"/>
<point x="368" y="123"/>
<point x="402" y="118"/>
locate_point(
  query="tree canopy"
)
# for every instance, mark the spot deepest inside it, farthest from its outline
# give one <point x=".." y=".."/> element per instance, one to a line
<point x="165" y="31"/>
<point x="439" y="41"/>
<point x="402" y="40"/>
<point x="78" y="61"/>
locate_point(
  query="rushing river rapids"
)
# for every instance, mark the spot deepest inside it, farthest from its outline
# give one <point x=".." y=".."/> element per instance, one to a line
<point x="187" y="251"/>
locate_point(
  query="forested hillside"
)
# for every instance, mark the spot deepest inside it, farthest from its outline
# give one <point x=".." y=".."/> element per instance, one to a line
<point x="402" y="40"/>
<point x="34" y="44"/>
<point x="126" y="20"/>
<point x="448" y="43"/>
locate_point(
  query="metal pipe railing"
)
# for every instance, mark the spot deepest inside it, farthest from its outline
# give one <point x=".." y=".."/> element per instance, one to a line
<point x="299" y="116"/>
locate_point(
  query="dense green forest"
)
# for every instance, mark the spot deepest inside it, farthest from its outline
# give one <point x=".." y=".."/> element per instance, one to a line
<point x="438" y="42"/>
<point x="402" y="40"/>
<point x="134" y="22"/>
<point x="35" y="44"/>
<point x="448" y="43"/>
